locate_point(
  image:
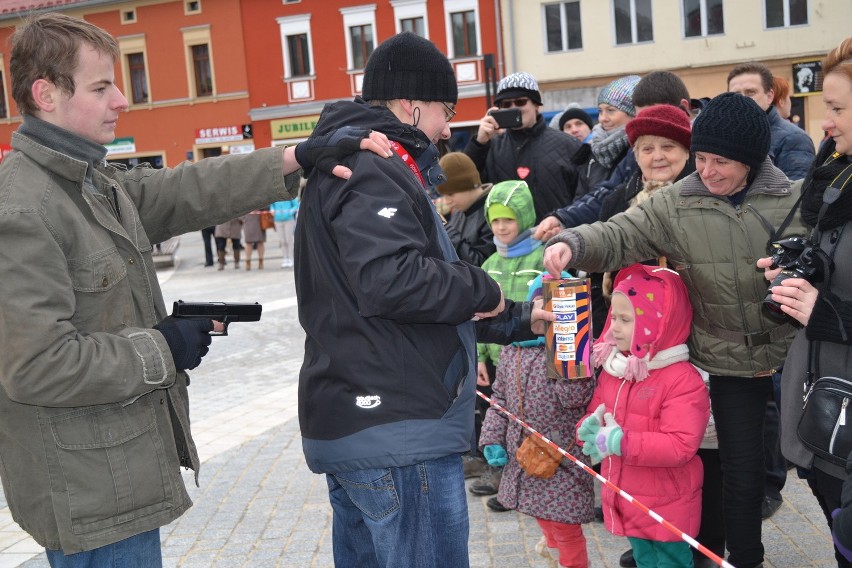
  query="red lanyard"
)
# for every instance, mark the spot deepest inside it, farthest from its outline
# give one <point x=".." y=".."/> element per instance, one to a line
<point x="409" y="161"/>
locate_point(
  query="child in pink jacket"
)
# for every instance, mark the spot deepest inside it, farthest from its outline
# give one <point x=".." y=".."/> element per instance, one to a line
<point x="650" y="410"/>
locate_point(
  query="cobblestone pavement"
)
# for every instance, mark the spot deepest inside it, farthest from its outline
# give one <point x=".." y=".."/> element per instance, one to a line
<point x="259" y="506"/>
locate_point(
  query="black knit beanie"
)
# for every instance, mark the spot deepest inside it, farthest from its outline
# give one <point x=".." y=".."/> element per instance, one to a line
<point x="407" y="66"/>
<point x="574" y="112"/>
<point x="735" y="127"/>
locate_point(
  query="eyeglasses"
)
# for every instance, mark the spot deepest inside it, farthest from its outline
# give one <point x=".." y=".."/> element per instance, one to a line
<point x="449" y="113"/>
<point x="516" y="102"/>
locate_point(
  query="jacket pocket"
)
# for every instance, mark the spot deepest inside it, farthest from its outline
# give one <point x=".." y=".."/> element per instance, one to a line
<point x="102" y="291"/>
<point x="99" y="272"/>
<point x="111" y="464"/>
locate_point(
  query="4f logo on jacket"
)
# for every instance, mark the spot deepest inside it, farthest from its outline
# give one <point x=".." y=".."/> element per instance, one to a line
<point x="371" y="401"/>
<point x="388" y="212"/>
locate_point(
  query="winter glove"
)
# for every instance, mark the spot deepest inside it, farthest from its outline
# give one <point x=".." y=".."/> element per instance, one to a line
<point x="608" y="438"/>
<point x="495" y="455"/>
<point x="590" y="426"/>
<point x="325" y="152"/>
<point x="188" y="340"/>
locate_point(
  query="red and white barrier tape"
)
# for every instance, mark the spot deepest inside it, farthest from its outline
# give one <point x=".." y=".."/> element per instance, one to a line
<point x="670" y="527"/>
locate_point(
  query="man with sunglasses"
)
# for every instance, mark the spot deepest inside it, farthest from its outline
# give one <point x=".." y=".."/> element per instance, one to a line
<point x="532" y="152"/>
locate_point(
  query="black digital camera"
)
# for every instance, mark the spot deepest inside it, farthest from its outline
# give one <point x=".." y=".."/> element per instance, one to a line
<point x="798" y="258"/>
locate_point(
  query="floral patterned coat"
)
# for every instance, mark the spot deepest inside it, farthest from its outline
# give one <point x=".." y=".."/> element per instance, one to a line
<point x="552" y="407"/>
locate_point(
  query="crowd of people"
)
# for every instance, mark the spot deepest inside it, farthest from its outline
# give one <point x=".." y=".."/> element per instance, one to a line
<point x="712" y="235"/>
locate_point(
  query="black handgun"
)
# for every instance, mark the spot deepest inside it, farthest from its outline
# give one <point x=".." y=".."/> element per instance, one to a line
<point x="220" y="311"/>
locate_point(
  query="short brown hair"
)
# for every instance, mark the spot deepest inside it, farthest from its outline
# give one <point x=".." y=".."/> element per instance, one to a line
<point x="45" y="46"/>
<point x="753" y="68"/>
<point x="839" y="59"/>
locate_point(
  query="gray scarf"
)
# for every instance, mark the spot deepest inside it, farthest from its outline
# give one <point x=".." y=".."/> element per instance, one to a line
<point x="63" y="141"/>
<point x="608" y="146"/>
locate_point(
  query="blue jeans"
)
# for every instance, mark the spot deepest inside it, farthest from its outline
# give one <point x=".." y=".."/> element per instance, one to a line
<point x="140" y="551"/>
<point x="413" y="516"/>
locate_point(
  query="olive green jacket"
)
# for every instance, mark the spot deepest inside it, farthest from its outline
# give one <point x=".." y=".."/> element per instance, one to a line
<point x="94" y="419"/>
<point x="713" y="245"/>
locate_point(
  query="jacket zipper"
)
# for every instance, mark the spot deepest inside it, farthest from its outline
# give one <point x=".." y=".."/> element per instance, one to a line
<point x="841" y="421"/>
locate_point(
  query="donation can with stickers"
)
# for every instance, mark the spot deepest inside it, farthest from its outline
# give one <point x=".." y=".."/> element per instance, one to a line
<point x="568" y="339"/>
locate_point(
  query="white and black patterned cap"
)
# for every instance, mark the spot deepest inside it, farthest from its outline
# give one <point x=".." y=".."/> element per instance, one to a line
<point x="518" y="85"/>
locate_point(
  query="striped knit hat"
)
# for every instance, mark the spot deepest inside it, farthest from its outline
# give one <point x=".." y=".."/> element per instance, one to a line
<point x="619" y="94"/>
<point x="518" y="85"/>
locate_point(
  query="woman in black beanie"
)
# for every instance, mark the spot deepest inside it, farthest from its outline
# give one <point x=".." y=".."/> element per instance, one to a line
<point x="823" y="305"/>
<point x="711" y="226"/>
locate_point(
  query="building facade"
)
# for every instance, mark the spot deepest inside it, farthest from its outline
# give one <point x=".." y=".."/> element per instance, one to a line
<point x="302" y="54"/>
<point x="210" y="77"/>
<point x="182" y="69"/>
<point x="574" y="47"/>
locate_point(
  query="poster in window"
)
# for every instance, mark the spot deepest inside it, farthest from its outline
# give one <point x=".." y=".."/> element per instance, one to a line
<point x="807" y="77"/>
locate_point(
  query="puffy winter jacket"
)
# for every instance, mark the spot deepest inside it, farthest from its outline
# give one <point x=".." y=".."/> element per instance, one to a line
<point x="540" y="156"/>
<point x="714" y="246"/>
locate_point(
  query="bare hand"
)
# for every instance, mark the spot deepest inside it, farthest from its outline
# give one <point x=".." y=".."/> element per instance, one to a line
<point x="768" y="272"/>
<point x="549" y="227"/>
<point x="487" y="128"/>
<point x="376" y="143"/>
<point x="556" y="258"/>
<point x="499" y="309"/>
<point x="797" y="298"/>
<point x="540" y="317"/>
<point x="218" y="326"/>
<point x="482" y="378"/>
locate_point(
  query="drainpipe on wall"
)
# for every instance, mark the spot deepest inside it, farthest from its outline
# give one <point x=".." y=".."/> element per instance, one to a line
<point x="497" y="20"/>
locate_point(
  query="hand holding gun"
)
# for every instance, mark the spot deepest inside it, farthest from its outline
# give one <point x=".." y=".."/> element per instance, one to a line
<point x="218" y="311"/>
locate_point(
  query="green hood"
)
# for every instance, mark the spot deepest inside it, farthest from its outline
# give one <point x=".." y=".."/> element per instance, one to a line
<point x="516" y="195"/>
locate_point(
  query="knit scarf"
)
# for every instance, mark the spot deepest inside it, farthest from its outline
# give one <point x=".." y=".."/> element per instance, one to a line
<point x="607" y="147"/>
<point x="632" y="368"/>
<point x="831" y="166"/>
<point x="522" y="245"/>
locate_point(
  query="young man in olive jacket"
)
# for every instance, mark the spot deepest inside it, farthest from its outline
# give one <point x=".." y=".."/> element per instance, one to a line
<point x="386" y="390"/>
<point x="94" y="422"/>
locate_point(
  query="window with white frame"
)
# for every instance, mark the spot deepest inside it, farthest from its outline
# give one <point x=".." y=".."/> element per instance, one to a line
<point x="296" y="42"/>
<point x="785" y="13"/>
<point x="462" y="20"/>
<point x="360" y="24"/>
<point x="411" y="16"/>
<point x="633" y="22"/>
<point x="702" y="18"/>
<point x="562" y="28"/>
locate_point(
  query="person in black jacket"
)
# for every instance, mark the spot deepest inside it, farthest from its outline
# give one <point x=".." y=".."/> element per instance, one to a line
<point x="391" y="316"/>
<point x="464" y="193"/>
<point x="533" y="152"/>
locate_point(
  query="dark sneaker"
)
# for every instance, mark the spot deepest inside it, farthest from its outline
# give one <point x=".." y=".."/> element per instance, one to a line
<point x="496" y="505"/>
<point x="769" y="507"/>
<point x="488" y="483"/>
<point x="473" y="466"/>
<point x="626" y="560"/>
